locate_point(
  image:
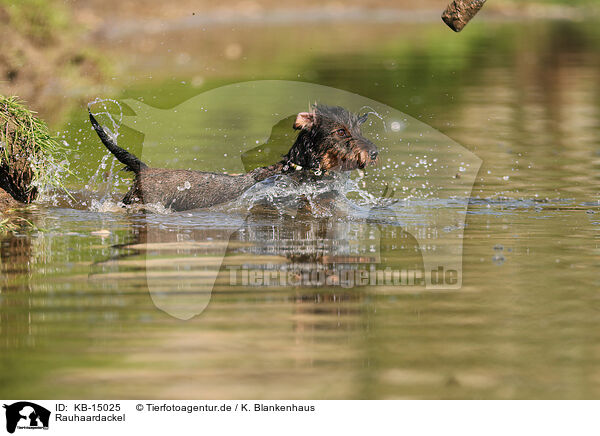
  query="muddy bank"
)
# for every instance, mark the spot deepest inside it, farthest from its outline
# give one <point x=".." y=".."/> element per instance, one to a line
<point x="42" y="56"/>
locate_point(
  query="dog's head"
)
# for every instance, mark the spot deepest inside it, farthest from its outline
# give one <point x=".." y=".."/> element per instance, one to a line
<point x="330" y="138"/>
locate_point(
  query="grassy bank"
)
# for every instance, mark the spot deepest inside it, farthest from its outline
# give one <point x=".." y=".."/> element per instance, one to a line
<point x="30" y="162"/>
<point x="29" y="156"/>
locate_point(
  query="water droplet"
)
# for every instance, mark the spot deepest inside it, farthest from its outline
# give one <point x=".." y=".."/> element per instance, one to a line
<point x="498" y="259"/>
<point x="396" y="126"/>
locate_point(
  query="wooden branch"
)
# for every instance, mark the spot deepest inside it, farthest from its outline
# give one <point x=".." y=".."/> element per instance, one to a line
<point x="459" y="13"/>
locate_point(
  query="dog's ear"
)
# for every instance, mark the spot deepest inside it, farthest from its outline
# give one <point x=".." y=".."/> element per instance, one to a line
<point x="363" y="118"/>
<point x="304" y="120"/>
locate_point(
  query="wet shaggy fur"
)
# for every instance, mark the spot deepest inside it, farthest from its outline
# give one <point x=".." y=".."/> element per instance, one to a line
<point x="329" y="139"/>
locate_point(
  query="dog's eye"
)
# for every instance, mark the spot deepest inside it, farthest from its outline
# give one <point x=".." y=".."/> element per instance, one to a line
<point x="342" y="133"/>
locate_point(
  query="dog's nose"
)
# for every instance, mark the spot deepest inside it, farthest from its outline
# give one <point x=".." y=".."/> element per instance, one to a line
<point x="373" y="154"/>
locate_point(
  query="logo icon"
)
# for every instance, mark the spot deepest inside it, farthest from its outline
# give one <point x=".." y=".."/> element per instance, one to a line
<point x="26" y="415"/>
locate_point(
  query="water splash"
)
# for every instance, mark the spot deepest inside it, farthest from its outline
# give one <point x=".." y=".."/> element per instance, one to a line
<point x="103" y="182"/>
<point x="114" y="133"/>
<point x="372" y="111"/>
<point x="325" y="197"/>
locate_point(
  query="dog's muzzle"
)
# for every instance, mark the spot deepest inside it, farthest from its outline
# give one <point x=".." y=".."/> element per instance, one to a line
<point x="368" y="153"/>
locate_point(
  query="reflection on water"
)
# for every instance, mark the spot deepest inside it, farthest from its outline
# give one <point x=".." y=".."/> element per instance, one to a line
<point x="78" y="305"/>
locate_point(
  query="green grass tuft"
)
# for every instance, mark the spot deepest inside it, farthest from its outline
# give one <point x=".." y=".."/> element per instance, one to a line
<point x="12" y="224"/>
<point x="30" y="158"/>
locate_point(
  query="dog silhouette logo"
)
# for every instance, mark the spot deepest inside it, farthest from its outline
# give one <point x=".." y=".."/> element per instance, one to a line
<point x="244" y="126"/>
<point x="26" y="415"/>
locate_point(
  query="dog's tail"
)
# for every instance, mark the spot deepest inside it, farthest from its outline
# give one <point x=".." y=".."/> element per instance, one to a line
<point x="132" y="162"/>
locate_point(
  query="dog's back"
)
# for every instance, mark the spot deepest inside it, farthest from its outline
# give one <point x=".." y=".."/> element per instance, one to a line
<point x="186" y="189"/>
<point x="174" y="189"/>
